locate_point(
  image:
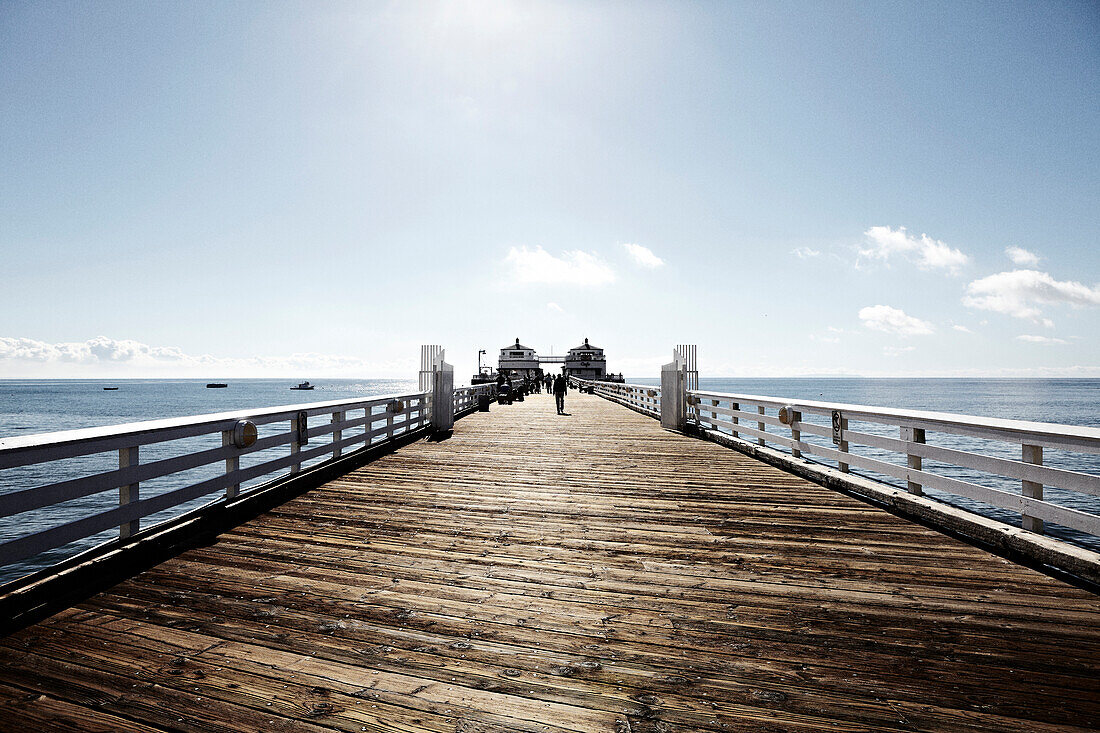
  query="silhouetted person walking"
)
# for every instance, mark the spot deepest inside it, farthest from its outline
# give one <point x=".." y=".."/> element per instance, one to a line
<point x="560" y="389"/>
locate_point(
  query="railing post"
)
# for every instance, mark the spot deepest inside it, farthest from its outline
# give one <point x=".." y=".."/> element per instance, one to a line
<point x="295" y="446"/>
<point x="128" y="458"/>
<point x="736" y="421"/>
<point x="337" y="434"/>
<point x="1032" y="490"/>
<point x="914" y="435"/>
<point x="843" y="446"/>
<point x="796" y="435"/>
<point x="762" y="426"/>
<point x="232" y="463"/>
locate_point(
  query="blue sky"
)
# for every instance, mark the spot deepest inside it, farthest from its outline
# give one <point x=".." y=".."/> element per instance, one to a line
<point x="314" y="189"/>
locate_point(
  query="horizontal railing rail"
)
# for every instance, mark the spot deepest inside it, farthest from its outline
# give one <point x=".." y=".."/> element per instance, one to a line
<point x="351" y="424"/>
<point x="639" y="396"/>
<point x="465" y="398"/>
<point x="996" y="451"/>
<point x="748" y="417"/>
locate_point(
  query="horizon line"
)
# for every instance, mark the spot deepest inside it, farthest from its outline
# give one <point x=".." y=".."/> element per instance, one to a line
<point x="414" y="377"/>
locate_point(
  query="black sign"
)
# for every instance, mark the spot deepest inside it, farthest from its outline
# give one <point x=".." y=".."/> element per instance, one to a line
<point x="302" y="426"/>
<point x="838" y="422"/>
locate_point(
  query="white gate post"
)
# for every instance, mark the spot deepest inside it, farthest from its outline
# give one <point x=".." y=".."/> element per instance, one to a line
<point x="673" y="393"/>
<point x="441" y="390"/>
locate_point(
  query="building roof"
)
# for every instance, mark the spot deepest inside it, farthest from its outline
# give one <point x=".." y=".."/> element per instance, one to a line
<point x="517" y="345"/>
<point x="585" y="346"/>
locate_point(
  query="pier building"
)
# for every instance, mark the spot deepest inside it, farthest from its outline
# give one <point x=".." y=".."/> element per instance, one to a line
<point x="517" y="360"/>
<point x="663" y="558"/>
<point x="586" y="362"/>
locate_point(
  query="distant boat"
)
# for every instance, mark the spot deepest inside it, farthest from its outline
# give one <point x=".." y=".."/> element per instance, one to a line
<point x="216" y="385"/>
<point x="303" y="385"/>
<point x="110" y="389"/>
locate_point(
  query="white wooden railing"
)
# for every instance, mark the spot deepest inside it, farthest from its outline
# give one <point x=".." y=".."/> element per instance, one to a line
<point x="748" y="417"/>
<point x="640" y="397"/>
<point x="999" y="452"/>
<point x="466" y="397"/>
<point x="350" y="424"/>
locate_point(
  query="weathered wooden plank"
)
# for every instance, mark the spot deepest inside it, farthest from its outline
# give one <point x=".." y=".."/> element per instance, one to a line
<point x="581" y="573"/>
<point x="20" y="709"/>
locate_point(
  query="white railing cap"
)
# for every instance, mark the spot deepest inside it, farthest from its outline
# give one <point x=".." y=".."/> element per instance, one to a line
<point x="618" y="384"/>
<point x="1018" y="428"/>
<point x="145" y="427"/>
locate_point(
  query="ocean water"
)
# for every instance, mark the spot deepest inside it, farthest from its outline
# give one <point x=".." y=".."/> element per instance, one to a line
<point x="37" y="406"/>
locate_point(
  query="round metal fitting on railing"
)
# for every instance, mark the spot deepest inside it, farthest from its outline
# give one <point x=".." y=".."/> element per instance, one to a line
<point x="786" y="414"/>
<point x="244" y="434"/>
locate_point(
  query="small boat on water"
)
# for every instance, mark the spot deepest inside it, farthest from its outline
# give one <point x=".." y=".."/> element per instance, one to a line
<point x="111" y="389"/>
<point x="216" y="385"/>
<point x="303" y="385"/>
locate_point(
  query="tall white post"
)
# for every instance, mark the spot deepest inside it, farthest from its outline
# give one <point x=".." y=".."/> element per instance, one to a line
<point x="674" y="393"/>
<point x="430" y="354"/>
<point x="442" y="394"/>
<point x="688" y="356"/>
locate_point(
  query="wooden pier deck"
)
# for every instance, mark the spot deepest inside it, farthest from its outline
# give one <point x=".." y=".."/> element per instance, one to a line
<point x="581" y="573"/>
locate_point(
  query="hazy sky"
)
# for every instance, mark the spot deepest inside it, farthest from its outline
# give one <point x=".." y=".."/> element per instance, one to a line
<point x="314" y="189"/>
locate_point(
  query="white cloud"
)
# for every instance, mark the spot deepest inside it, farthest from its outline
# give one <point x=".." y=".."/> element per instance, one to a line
<point x="962" y="329"/>
<point x="893" y="351"/>
<point x="99" y="349"/>
<point x="555" y="307"/>
<point x="805" y="253"/>
<point x="1021" y="256"/>
<point x="893" y="320"/>
<point x="1020" y="292"/>
<point x="107" y="357"/>
<point x="643" y="256"/>
<point x="1041" y="339"/>
<point x="572" y="268"/>
<point x="884" y="242"/>
<point x="825" y="339"/>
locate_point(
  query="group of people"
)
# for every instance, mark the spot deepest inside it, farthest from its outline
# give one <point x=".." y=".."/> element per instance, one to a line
<point x="559" y="385"/>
